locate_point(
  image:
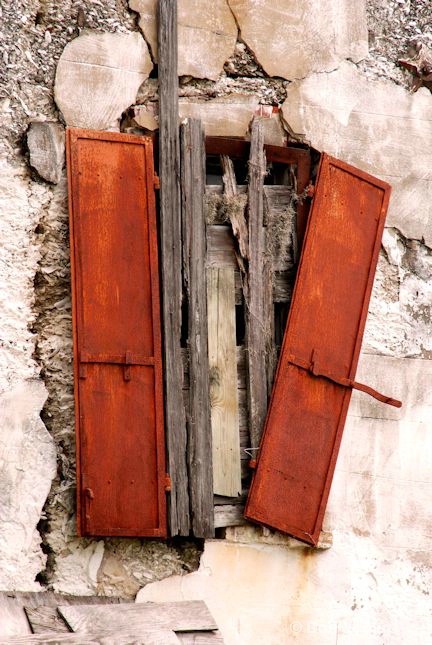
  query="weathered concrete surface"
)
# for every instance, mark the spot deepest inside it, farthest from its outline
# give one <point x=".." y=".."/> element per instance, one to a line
<point x="27" y="467"/>
<point x="402" y="297"/>
<point x="206" y="34"/>
<point x="292" y="39"/>
<point x="373" y="585"/>
<point x="376" y="126"/>
<point x="98" y="76"/>
<point x="228" y="116"/>
<point x="46" y="143"/>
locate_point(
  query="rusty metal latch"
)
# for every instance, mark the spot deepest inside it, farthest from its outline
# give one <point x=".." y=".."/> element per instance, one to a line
<point x="127" y="366"/>
<point x="312" y="367"/>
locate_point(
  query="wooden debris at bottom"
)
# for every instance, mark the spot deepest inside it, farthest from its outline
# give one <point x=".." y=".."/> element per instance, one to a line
<point x="99" y="637"/>
<point x="176" y="616"/>
<point x="44" y="618"/>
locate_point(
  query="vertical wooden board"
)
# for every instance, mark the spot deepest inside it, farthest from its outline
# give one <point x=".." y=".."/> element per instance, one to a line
<point x="193" y="178"/>
<point x="324" y="331"/>
<point x="117" y="343"/>
<point x="171" y="264"/>
<point x="223" y="382"/>
<point x="257" y="316"/>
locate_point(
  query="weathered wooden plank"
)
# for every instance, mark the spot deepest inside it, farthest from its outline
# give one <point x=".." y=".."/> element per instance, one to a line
<point x="257" y="324"/>
<point x="41" y="609"/>
<point x="45" y="620"/>
<point x="223" y="381"/>
<point x="97" y="637"/>
<point x="220" y="247"/>
<point x="169" y="171"/>
<point x="193" y="163"/>
<point x="177" y="616"/>
<point x="229" y="515"/>
<point x="237" y="216"/>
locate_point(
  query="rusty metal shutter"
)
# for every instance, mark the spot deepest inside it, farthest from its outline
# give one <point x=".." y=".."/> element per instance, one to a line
<point x="320" y="352"/>
<point x="117" y="344"/>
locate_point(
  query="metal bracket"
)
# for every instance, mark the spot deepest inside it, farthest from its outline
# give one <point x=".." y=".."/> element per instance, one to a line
<point x="312" y="367"/>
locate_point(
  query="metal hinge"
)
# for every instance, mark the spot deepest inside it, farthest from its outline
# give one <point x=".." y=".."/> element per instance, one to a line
<point x="167" y="483"/>
<point x="156" y="182"/>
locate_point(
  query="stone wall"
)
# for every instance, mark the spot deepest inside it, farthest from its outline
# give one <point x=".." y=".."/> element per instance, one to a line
<point x="333" y="73"/>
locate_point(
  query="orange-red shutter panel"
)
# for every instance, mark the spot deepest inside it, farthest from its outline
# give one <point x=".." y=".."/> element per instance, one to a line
<point x="320" y="351"/>
<point x="117" y="344"/>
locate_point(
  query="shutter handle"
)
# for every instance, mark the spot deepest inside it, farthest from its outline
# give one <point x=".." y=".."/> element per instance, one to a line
<point x="88" y="497"/>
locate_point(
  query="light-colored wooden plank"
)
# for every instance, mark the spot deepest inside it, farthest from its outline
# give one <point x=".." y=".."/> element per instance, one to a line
<point x="97" y="637"/>
<point x="223" y="381"/>
<point x="193" y="177"/>
<point x="177" y="616"/>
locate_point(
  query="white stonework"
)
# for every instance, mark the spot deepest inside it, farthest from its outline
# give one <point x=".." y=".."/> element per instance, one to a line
<point x="98" y="76"/>
<point x="377" y="126"/>
<point x="206" y="34"/>
<point x="292" y="39"/>
<point x="228" y="116"/>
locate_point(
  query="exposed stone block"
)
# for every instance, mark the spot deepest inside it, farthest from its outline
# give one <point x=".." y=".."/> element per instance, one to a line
<point x="206" y="34"/>
<point x="98" y="76"/>
<point x="46" y="143"/>
<point x="377" y="126"/>
<point x="291" y="39"/>
<point x="227" y="116"/>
